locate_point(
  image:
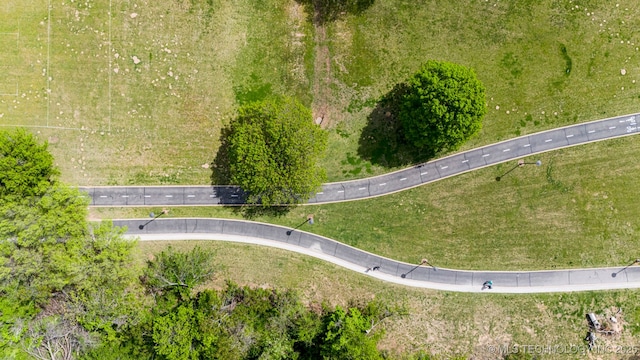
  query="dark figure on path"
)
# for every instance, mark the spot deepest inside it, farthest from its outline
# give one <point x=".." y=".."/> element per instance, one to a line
<point x="487" y="285"/>
<point x="376" y="268"/>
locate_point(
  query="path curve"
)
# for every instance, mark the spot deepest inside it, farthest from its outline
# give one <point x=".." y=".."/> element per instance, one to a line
<point x="400" y="180"/>
<point x="390" y="270"/>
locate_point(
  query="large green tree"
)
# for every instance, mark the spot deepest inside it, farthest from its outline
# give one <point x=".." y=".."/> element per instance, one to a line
<point x="26" y="167"/>
<point x="441" y="107"/>
<point x="274" y="148"/>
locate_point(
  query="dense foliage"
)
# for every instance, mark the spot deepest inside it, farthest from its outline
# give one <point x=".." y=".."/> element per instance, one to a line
<point x="441" y="107"/>
<point x="274" y="148"/>
<point x="69" y="290"/>
<point x="63" y="282"/>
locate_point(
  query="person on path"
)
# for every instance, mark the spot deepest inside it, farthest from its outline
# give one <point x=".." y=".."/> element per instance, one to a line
<point x="487" y="285"/>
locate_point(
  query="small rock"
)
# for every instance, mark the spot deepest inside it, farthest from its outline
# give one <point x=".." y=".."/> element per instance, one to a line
<point x="205" y="166"/>
<point x="136" y="60"/>
<point x="623" y="71"/>
<point x="133" y="15"/>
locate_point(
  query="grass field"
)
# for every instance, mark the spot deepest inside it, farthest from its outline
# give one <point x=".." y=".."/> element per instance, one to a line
<point x="136" y="91"/>
<point x="439" y="322"/>
<point x="544" y="63"/>
<point x="579" y="209"/>
<point x="132" y="92"/>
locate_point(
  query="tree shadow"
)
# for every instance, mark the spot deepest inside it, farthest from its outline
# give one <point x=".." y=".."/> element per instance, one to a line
<point x="251" y="212"/>
<point x="382" y="141"/>
<point x="220" y="173"/>
<point x="325" y="11"/>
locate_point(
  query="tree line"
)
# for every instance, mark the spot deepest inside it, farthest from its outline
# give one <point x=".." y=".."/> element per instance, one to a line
<point x="69" y="289"/>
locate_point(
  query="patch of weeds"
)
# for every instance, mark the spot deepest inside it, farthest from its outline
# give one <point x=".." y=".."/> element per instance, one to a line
<point x="511" y="63"/>
<point x="556" y="184"/>
<point x="340" y="130"/>
<point x="253" y="90"/>
<point x="358" y="165"/>
<point x="567" y="60"/>
<point x="163" y="179"/>
<point x="358" y="104"/>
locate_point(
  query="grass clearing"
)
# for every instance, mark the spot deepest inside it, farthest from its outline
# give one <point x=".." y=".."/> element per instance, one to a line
<point x="579" y="209"/>
<point x="544" y="63"/>
<point x="131" y="92"/>
<point x="439" y="322"/>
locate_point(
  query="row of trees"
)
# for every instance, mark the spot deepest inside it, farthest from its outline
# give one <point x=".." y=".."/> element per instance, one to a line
<point x="272" y="148"/>
<point x="69" y="289"/>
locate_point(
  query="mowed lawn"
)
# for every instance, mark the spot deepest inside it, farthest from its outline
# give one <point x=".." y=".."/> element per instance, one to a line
<point x="136" y="92"/>
<point x="579" y="209"/>
<point x="438" y="322"/>
<point x="544" y="63"/>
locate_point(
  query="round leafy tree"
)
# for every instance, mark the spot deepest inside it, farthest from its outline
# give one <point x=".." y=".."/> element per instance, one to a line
<point x="274" y="148"/>
<point x="26" y="167"/>
<point x="441" y="107"/>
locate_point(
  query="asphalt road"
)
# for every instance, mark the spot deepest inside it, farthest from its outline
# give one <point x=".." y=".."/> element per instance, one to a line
<point x="383" y="184"/>
<point x="390" y="270"/>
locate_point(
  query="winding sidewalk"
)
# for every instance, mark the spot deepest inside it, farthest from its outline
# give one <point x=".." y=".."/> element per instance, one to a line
<point x="390" y="270"/>
<point x="414" y="176"/>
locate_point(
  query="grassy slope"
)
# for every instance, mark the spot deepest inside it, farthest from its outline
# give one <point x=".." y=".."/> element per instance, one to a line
<point x="577" y="210"/>
<point x="515" y="48"/>
<point x="438" y="322"/>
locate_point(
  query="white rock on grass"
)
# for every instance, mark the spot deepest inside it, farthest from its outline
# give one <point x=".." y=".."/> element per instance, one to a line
<point x="623" y="71"/>
<point x="136" y="60"/>
<point x="133" y="15"/>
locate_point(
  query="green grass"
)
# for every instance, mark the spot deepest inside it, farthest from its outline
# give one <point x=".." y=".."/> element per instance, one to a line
<point x="445" y="323"/>
<point x="158" y="121"/>
<point x="544" y="63"/>
<point x="579" y="209"/>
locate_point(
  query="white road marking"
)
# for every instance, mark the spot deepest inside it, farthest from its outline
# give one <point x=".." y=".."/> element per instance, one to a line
<point x="444" y="167"/>
<point x="147" y="196"/>
<point x="424" y="173"/>
<point x="212" y="196"/>
<point x="505" y="150"/>
<point x="570" y="135"/>
<point x="340" y="191"/>
<point x="526" y="145"/>
<point x="363" y="188"/>
<point x="168" y="196"/>
<point x="103" y="196"/>
<point x="383" y="184"/>
<point x="125" y="196"/>
<point x="631" y="129"/>
<point x="191" y="196"/>
<point x="611" y="127"/>
<point x="591" y="131"/>
<point x="320" y="193"/>
<point x="548" y="140"/>
<point x="464" y="161"/>
<point x="403" y="179"/>
<point x="485" y="155"/>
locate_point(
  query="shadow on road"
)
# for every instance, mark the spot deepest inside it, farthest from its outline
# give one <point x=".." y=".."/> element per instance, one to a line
<point x="382" y="141"/>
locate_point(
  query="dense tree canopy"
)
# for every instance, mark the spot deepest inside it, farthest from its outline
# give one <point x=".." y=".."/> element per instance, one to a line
<point x="52" y="259"/>
<point x="441" y="107"/>
<point x="26" y="167"/>
<point x="274" y="147"/>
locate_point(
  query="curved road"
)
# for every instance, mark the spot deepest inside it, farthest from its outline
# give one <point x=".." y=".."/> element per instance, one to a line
<point x="384" y="184"/>
<point x="390" y="270"/>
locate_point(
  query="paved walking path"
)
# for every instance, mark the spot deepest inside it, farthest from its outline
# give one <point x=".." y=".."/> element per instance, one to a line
<point x="384" y="184"/>
<point x="390" y="270"/>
